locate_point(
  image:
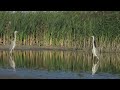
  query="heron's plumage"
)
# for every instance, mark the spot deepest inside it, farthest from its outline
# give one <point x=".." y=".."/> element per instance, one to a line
<point x="12" y="46"/>
<point x="94" y="49"/>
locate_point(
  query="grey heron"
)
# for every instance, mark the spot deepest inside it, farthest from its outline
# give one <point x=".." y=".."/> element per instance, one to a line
<point x="13" y="43"/>
<point x="94" y="50"/>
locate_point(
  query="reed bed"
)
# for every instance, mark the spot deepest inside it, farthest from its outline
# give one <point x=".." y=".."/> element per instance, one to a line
<point x="71" y="29"/>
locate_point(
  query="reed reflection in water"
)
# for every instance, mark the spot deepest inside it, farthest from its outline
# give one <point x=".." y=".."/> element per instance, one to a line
<point x="61" y="60"/>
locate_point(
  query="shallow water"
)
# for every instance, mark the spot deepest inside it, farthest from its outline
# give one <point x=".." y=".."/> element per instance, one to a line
<point x="58" y="65"/>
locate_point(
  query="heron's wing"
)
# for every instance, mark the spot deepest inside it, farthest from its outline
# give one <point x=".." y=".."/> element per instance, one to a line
<point x="97" y="52"/>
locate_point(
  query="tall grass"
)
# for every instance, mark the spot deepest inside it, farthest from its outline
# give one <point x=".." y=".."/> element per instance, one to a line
<point x="62" y="29"/>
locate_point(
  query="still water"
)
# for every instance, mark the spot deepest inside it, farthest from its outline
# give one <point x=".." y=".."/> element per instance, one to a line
<point x="48" y="64"/>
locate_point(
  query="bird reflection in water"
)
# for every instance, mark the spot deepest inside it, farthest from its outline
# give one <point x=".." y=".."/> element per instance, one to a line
<point x="96" y="54"/>
<point x="95" y="67"/>
<point x="12" y="62"/>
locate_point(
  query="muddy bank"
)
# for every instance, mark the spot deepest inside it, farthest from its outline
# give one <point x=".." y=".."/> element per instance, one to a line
<point x="39" y="48"/>
<point x="59" y="48"/>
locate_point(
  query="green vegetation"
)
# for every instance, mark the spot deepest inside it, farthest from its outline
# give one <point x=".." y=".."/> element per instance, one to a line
<point x="62" y="29"/>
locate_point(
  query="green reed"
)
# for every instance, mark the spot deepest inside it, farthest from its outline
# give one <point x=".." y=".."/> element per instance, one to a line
<point x="62" y="29"/>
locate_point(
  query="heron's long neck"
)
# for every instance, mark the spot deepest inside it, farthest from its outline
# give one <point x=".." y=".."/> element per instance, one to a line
<point x="15" y="37"/>
<point x="93" y="42"/>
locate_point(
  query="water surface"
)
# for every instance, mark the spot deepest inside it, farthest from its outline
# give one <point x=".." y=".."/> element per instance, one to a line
<point x="45" y="64"/>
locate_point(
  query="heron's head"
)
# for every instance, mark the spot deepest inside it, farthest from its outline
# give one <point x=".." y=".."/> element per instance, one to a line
<point x="16" y="32"/>
<point x="92" y="36"/>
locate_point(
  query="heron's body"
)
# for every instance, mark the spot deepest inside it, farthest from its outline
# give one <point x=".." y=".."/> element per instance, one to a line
<point x="12" y="46"/>
<point x="94" y="50"/>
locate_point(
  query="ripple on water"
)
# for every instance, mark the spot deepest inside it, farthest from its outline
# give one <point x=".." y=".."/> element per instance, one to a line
<point x="44" y="74"/>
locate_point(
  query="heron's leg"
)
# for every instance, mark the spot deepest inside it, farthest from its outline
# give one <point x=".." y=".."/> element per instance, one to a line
<point x="10" y="51"/>
<point x="92" y="57"/>
<point x="97" y="57"/>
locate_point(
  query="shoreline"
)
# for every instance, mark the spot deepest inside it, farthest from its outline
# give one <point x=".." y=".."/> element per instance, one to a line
<point x="57" y="48"/>
<point x="40" y="48"/>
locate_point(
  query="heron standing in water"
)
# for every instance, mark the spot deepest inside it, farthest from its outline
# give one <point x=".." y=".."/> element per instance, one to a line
<point x="94" y="50"/>
<point x="13" y="43"/>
